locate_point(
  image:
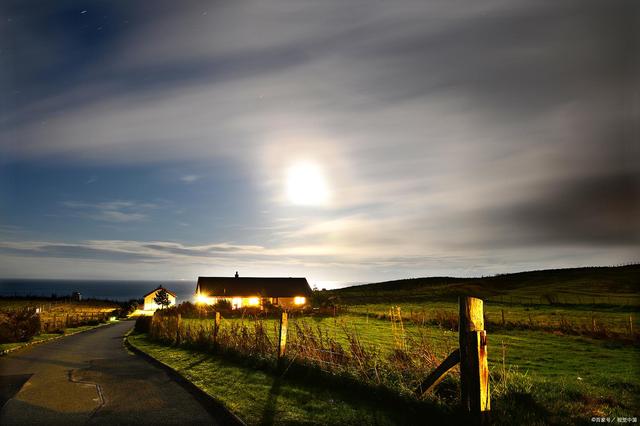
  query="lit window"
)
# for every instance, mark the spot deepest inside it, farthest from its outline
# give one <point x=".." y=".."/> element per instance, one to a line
<point x="253" y="301"/>
<point x="299" y="300"/>
<point x="201" y="298"/>
<point x="236" y="302"/>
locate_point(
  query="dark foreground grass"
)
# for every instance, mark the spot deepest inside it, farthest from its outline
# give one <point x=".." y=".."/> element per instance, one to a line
<point x="262" y="397"/>
<point x="585" y="383"/>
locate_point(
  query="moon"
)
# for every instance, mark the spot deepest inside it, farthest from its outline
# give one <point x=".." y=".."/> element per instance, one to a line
<point x="306" y="185"/>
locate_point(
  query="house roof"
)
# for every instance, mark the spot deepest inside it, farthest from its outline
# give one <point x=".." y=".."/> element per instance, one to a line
<point x="252" y="286"/>
<point x="160" y="287"/>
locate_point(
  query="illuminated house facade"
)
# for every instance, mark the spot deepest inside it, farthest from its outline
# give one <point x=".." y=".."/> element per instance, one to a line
<point x="253" y="292"/>
<point x="149" y="302"/>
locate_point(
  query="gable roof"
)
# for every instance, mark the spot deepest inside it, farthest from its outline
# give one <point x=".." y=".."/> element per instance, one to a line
<point x="160" y="287"/>
<point x="252" y="286"/>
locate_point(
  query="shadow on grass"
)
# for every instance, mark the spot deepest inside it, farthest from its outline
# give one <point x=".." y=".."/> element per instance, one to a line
<point x="269" y="413"/>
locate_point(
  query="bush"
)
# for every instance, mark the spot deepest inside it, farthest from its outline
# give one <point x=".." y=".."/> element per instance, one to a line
<point x="323" y="299"/>
<point x="19" y="325"/>
<point x="223" y="305"/>
<point x="143" y="324"/>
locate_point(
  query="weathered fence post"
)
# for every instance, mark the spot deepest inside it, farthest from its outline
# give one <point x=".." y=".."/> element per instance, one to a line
<point x="282" y="340"/>
<point x="474" y="370"/>
<point x="472" y="356"/>
<point x="216" y="327"/>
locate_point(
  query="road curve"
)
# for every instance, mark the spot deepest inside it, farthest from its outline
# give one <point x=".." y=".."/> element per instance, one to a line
<point x="91" y="379"/>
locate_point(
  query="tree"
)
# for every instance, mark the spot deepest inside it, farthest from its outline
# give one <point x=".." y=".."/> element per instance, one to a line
<point x="162" y="298"/>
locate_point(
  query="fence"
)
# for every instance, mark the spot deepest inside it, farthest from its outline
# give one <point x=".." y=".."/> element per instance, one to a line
<point x="609" y="325"/>
<point x="285" y="343"/>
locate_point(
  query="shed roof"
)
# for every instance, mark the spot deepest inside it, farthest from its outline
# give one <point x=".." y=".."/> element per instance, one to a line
<point x="252" y="286"/>
<point x="160" y="287"/>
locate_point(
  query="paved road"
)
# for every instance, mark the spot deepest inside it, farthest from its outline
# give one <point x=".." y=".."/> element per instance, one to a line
<point x="91" y="379"/>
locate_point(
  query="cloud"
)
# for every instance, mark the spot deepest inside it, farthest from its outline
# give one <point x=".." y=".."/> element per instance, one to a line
<point x="117" y="211"/>
<point x="442" y="127"/>
<point x="189" y="178"/>
<point x="126" y="259"/>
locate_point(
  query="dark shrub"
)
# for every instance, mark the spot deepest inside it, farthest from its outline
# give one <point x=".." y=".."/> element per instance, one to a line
<point x="222" y="305"/>
<point x="19" y="325"/>
<point x="323" y="299"/>
<point x="188" y="310"/>
<point x="143" y="324"/>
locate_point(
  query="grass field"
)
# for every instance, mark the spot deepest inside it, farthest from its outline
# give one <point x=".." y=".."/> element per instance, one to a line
<point x="549" y="373"/>
<point x="567" y="377"/>
<point x="612" y="318"/>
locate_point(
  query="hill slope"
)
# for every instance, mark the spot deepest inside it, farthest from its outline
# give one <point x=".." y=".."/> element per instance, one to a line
<point x="620" y="282"/>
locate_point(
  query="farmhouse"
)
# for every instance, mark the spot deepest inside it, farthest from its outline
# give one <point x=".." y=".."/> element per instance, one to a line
<point x="149" y="302"/>
<point x="253" y="291"/>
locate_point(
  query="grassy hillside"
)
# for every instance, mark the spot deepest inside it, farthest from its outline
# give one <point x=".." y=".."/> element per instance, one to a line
<point x="595" y="285"/>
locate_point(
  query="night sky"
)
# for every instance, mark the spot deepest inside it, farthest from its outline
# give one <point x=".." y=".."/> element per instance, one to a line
<point x="344" y="141"/>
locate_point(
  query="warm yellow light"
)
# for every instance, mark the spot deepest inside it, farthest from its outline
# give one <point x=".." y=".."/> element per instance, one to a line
<point x="299" y="300"/>
<point x="306" y="185"/>
<point x="201" y="298"/>
<point x="253" y="301"/>
<point x="236" y="302"/>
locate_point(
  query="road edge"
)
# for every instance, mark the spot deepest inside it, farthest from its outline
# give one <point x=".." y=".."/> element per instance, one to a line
<point x="211" y="403"/>
<point x="50" y="339"/>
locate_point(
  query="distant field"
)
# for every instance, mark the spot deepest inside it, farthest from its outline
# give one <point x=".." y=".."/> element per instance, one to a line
<point x="57" y="306"/>
<point x="612" y="318"/>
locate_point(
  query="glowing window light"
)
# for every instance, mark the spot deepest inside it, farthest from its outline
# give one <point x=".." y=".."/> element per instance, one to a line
<point x="299" y="300"/>
<point x="201" y="298"/>
<point x="253" y="301"/>
<point x="236" y="302"/>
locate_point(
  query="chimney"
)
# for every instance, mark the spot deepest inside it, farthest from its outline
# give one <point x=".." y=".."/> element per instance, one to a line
<point x="237" y="274"/>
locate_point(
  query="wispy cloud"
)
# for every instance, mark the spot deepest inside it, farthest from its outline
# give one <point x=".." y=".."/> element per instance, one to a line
<point x="443" y="128"/>
<point x="189" y="178"/>
<point x="117" y="211"/>
<point x="176" y="259"/>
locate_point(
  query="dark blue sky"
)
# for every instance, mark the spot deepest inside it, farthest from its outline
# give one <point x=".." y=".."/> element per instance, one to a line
<point x="345" y="142"/>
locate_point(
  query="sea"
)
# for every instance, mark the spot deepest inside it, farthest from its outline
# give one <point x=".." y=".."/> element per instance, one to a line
<point x="120" y="290"/>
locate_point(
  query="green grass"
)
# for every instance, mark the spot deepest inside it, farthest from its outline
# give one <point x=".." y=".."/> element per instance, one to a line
<point x="260" y="397"/>
<point x="571" y="377"/>
<point x="614" y="318"/>
<point x="542" y="354"/>
<point x="537" y="376"/>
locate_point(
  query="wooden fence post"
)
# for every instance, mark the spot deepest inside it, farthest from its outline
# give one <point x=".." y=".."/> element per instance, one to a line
<point x="474" y="370"/>
<point x="282" y="340"/>
<point x="630" y="325"/>
<point x="216" y="327"/>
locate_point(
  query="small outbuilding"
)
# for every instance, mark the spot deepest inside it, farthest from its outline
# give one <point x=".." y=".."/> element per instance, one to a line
<point x="151" y="305"/>
<point x="254" y="292"/>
